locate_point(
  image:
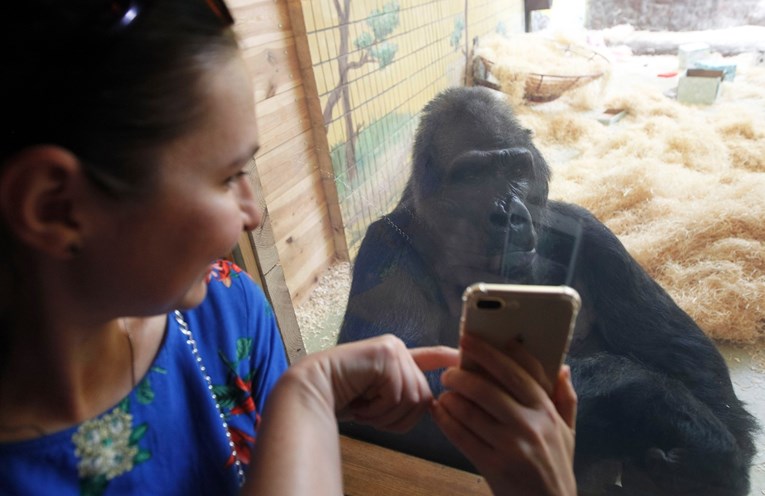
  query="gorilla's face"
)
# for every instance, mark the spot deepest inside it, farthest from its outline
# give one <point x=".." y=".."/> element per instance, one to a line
<point x="481" y="213"/>
<point x="477" y="181"/>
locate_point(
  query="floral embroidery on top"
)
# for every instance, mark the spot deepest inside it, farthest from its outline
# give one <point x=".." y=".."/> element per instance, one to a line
<point x="107" y="447"/>
<point x="236" y="398"/>
<point x="224" y="271"/>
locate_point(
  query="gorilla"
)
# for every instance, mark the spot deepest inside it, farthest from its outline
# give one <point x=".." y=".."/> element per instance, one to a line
<point x="657" y="411"/>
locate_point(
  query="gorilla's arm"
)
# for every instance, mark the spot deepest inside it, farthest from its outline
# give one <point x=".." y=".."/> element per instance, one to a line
<point x="392" y="289"/>
<point x="629" y="302"/>
<point x="632" y="316"/>
<point x="670" y="441"/>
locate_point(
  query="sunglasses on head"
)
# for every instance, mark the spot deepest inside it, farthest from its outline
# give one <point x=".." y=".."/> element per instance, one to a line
<point x="119" y="14"/>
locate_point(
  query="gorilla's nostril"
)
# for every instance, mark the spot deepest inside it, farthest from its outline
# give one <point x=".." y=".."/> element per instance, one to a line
<point x="498" y="219"/>
<point x="518" y="220"/>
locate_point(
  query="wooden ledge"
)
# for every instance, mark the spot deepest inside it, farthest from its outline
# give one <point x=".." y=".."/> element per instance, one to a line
<point x="370" y="470"/>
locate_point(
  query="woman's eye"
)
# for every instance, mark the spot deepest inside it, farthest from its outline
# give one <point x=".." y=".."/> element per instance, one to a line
<point x="236" y="177"/>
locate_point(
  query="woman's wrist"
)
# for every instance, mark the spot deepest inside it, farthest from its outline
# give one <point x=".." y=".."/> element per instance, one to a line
<point x="298" y="429"/>
<point x="307" y="385"/>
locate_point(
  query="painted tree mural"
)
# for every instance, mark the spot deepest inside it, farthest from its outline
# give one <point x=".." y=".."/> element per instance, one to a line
<point x="370" y="47"/>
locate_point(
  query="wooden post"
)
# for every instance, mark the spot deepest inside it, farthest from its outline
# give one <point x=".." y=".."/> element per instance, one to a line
<point x="258" y="253"/>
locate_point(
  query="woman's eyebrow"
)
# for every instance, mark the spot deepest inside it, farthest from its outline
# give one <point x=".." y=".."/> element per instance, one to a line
<point x="245" y="157"/>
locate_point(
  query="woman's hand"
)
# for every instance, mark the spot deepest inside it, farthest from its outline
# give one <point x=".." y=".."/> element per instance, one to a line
<point x="376" y="381"/>
<point x="379" y="381"/>
<point x="517" y="435"/>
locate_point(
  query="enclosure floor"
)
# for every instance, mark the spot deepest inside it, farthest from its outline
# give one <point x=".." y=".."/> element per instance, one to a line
<point x="320" y="316"/>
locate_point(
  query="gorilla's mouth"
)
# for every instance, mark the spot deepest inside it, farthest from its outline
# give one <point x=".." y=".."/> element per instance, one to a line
<point x="516" y="265"/>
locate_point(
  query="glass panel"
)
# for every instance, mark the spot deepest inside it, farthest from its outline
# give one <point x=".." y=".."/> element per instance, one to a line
<point x="658" y="174"/>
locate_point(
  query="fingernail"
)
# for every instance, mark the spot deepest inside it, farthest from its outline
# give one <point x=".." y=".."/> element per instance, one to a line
<point x="566" y="371"/>
<point x="444" y="375"/>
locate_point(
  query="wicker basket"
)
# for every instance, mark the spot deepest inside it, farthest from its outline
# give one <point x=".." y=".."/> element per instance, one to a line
<point x="540" y="88"/>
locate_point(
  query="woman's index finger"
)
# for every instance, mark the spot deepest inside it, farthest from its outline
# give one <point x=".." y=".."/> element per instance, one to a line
<point x="435" y="357"/>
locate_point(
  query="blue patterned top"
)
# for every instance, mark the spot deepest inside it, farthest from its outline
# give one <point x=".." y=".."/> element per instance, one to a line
<point x="166" y="436"/>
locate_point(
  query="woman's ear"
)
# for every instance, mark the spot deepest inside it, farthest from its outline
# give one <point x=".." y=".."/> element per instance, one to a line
<point x="39" y="189"/>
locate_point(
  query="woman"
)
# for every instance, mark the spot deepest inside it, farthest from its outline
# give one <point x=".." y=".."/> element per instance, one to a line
<point x="129" y="364"/>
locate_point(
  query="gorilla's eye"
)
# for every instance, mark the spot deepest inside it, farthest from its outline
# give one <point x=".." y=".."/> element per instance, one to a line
<point x="522" y="168"/>
<point x="468" y="173"/>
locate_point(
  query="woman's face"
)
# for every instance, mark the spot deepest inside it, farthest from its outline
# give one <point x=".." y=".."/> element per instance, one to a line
<point x="157" y="250"/>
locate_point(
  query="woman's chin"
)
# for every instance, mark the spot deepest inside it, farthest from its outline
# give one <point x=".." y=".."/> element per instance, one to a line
<point x="194" y="296"/>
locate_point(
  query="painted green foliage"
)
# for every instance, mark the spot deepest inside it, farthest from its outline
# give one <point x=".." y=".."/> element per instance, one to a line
<point x="456" y="36"/>
<point x="382" y="23"/>
<point x="371" y="46"/>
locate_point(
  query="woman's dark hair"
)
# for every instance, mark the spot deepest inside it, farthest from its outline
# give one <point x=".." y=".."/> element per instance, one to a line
<point x="108" y="80"/>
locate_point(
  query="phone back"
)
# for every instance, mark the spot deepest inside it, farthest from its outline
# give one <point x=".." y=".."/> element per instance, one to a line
<point x="542" y="318"/>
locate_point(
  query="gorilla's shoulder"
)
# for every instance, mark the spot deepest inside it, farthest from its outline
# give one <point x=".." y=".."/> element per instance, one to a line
<point x="387" y="252"/>
<point x="593" y="230"/>
<point x="573" y="211"/>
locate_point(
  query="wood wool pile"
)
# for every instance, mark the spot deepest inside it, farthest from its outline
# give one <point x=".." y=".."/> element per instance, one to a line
<point x="682" y="186"/>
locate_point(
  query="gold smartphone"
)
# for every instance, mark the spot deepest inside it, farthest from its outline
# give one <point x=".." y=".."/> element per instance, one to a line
<point x="541" y="318"/>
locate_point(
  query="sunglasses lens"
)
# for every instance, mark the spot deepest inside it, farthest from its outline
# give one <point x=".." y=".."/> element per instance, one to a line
<point x="221" y="10"/>
<point x="119" y="14"/>
<point x="113" y="16"/>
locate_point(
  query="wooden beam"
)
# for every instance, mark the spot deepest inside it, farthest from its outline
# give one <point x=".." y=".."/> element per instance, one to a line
<point x="259" y="247"/>
<point x="244" y="257"/>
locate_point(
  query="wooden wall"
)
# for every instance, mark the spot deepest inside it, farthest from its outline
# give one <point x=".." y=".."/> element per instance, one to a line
<point x="376" y="63"/>
<point x="287" y="163"/>
<point x="316" y="213"/>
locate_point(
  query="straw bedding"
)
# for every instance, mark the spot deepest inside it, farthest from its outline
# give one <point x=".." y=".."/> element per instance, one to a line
<point x="682" y="186"/>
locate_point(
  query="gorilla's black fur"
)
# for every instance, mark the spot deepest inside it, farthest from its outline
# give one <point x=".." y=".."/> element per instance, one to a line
<point x="655" y="397"/>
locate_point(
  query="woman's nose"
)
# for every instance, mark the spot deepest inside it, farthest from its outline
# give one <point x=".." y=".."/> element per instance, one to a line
<point x="251" y="213"/>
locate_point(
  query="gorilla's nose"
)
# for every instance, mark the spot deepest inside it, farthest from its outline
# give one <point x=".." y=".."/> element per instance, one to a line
<point x="513" y="214"/>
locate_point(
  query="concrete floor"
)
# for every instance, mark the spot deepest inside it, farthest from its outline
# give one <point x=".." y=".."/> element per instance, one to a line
<point x="747" y="366"/>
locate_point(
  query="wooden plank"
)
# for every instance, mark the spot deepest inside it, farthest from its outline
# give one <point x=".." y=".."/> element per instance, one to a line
<point x="280" y="299"/>
<point x="302" y="201"/>
<point x="281" y="118"/>
<point x="310" y="273"/>
<point x="283" y="167"/>
<point x="301" y="213"/>
<point x="260" y="21"/>
<point x="245" y="257"/>
<point x="310" y="253"/>
<point x="274" y="67"/>
<point x="297" y="19"/>
<point x="302" y="224"/>
<point x="371" y="470"/>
